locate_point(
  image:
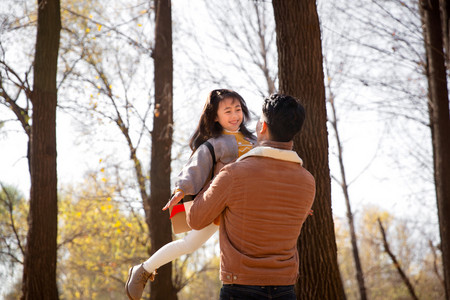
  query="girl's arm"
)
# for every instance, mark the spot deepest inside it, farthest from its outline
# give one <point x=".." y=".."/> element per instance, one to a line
<point x="212" y="201"/>
<point x="195" y="173"/>
<point x="179" y="194"/>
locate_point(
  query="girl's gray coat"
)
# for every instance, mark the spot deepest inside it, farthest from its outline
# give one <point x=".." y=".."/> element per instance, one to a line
<point x="197" y="171"/>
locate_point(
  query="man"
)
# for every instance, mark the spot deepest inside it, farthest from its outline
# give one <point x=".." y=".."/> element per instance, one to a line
<point x="262" y="199"/>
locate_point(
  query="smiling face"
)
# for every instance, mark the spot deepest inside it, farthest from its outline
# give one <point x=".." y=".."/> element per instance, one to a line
<point x="229" y="114"/>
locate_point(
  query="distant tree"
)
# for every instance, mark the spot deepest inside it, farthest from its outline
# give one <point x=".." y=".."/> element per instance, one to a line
<point x="301" y="75"/>
<point x="157" y="220"/>
<point x="345" y="190"/>
<point x="98" y="240"/>
<point x="39" y="274"/>
<point x="392" y="34"/>
<point x="408" y="245"/>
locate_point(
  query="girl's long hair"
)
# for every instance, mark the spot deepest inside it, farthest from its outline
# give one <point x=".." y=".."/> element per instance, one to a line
<point x="208" y="127"/>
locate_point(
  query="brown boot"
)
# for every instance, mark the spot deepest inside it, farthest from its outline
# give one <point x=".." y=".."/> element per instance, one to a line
<point x="137" y="279"/>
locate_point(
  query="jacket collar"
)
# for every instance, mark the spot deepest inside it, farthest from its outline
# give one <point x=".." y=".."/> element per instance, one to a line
<point x="279" y="145"/>
<point x="275" y="150"/>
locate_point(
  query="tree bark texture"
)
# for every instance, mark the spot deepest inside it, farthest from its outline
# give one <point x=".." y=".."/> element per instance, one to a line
<point x="439" y="122"/>
<point x="301" y="75"/>
<point x="39" y="273"/>
<point x="159" y="222"/>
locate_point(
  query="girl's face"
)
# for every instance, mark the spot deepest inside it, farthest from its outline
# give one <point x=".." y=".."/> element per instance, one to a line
<point x="229" y="114"/>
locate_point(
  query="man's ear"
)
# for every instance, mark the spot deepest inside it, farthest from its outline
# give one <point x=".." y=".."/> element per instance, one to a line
<point x="263" y="128"/>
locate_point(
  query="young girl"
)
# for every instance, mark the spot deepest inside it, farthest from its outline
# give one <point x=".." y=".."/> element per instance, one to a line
<point x="222" y="124"/>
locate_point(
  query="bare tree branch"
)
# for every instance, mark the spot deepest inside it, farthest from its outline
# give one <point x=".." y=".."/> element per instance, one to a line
<point x="395" y="262"/>
<point x="9" y="201"/>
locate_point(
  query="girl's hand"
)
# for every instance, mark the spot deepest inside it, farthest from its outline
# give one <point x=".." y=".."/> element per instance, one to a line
<point x="175" y="199"/>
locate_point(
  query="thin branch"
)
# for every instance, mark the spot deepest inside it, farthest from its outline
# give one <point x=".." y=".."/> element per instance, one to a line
<point x="396" y="263"/>
<point x="9" y="202"/>
<point x="129" y="39"/>
<point x="435" y="264"/>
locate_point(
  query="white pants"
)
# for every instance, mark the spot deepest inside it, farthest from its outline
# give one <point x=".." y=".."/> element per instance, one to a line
<point x="193" y="240"/>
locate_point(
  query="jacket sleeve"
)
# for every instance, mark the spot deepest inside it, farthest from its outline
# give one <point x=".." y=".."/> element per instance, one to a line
<point x="196" y="172"/>
<point x="212" y="201"/>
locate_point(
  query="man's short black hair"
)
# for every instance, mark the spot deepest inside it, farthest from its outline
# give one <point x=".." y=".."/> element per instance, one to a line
<point x="284" y="116"/>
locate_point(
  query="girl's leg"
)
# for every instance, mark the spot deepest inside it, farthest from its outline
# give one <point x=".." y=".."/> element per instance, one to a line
<point x="191" y="242"/>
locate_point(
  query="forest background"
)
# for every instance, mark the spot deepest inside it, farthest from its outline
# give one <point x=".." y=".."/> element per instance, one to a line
<point x="377" y="105"/>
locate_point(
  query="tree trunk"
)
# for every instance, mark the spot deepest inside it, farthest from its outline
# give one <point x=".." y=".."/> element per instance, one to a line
<point x="301" y="75"/>
<point x="159" y="222"/>
<point x="39" y="272"/>
<point x="439" y="122"/>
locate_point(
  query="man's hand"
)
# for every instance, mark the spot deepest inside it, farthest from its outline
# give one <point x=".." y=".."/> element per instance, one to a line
<point x="175" y="199"/>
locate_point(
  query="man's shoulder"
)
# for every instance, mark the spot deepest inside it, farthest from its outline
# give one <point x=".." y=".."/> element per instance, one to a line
<point x="258" y="163"/>
<point x="250" y="163"/>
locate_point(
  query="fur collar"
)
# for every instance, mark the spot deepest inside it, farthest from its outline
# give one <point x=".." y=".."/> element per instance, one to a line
<point x="281" y="154"/>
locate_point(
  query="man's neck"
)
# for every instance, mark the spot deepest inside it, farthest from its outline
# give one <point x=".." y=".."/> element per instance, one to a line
<point x="279" y="145"/>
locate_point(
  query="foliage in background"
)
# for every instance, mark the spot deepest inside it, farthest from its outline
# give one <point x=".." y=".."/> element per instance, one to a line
<point x="204" y="282"/>
<point x="98" y="242"/>
<point x="413" y="252"/>
<point x="13" y="228"/>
